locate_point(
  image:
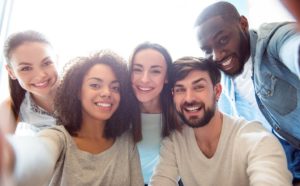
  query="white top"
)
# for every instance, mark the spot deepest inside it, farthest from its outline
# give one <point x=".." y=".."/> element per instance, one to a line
<point x="245" y="93"/>
<point x="33" y="118"/>
<point x="56" y="156"/>
<point x="150" y="144"/>
<point x="246" y="155"/>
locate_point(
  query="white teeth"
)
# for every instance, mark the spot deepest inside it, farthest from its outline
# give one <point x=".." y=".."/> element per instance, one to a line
<point x="227" y="62"/>
<point x="104" y="104"/>
<point x="195" y="108"/>
<point x="144" y="88"/>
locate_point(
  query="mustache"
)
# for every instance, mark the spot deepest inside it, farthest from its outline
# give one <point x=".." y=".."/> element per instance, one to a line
<point x="193" y="103"/>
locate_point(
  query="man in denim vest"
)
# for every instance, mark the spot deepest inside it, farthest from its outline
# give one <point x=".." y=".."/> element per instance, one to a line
<point x="260" y="72"/>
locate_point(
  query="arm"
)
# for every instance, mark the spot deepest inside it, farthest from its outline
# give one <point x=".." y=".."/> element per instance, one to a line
<point x="267" y="164"/>
<point x="136" y="177"/>
<point x="8" y="122"/>
<point x="284" y="45"/>
<point x="166" y="172"/>
<point x="35" y="158"/>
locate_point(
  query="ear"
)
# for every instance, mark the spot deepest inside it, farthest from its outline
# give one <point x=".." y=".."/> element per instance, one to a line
<point x="218" y="90"/>
<point x="244" y="23"/>
<point x="166" y="81"/>
<point x="10" y="72"/>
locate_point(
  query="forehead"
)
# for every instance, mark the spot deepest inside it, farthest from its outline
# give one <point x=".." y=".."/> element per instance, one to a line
<point x="101" y="71"/>
<point x="193" y="77"/>
<point x="149" y="57"/>
<point x="211" y="28"/>
<point x="31" y="52"/>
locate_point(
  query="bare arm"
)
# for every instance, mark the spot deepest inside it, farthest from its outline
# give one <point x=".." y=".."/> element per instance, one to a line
<point x="8" y="122"/>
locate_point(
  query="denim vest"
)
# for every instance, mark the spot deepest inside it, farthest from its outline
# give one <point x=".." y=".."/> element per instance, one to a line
<point x="277" y="89"/>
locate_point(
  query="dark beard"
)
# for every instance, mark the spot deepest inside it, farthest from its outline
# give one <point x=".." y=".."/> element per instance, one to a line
<point x="197" y="123"/>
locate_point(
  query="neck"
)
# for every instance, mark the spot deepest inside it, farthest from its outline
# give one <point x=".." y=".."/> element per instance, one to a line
<point x="47" y="102"/>
<point x="151" y="107"/>
<point x="207" y="137"/>
<point x="91" y="129"/>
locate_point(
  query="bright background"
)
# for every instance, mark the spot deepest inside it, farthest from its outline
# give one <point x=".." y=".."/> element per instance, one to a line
<point x="78" y="27"/>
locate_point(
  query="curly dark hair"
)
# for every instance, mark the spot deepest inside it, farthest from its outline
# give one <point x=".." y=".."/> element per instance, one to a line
<point x="68" y="107"/>
<point x="170" y="121"/>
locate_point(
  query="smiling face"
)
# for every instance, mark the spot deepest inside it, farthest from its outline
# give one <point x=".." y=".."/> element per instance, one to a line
<point x="100" y="94"/>
<point x="149" y="74"/>
<point x="33" y="65"/>
<point x="195" y="98"/>
<point x="226" y="42"/>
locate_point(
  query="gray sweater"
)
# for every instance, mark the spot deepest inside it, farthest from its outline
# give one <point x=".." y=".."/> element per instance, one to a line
<point x="57" y="158"/>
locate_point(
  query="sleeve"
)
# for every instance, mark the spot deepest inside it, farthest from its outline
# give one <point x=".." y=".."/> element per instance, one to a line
<point x="267" y="164"/>
<point x="287" y="42"/>
<point x="166" y="172"/>
<point x="135" y="166"/>
<point x="35" y="157"/>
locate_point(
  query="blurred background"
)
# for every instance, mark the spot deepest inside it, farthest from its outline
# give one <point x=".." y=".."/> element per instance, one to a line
<point x="79" y="27"/>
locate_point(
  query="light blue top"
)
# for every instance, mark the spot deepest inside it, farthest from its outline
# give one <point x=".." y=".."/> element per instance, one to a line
<point x="149" y="146"/>
<point x="33" y="118"/>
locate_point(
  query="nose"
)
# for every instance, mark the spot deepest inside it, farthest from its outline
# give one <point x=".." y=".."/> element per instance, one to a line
<point x="105" y="92"/>
<point x="189" y="96"/>
<point x="41" y="73"/>
<point x="145" y="77"/>
<point x="217" y="55"/>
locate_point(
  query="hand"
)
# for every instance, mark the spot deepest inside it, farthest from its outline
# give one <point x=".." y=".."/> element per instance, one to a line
<point x="6" y="161"/>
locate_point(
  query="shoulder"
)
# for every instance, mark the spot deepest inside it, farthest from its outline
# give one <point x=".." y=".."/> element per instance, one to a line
<point x="251" y="135"/>
<point x="274" y="30"/>
<point x="56" y="133"/>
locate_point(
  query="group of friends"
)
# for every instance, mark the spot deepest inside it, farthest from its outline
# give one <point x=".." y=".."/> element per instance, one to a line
<point x="155" y="121"/>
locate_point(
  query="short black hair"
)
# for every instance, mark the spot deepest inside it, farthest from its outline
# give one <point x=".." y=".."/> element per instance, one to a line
<point x="224" y="9"/>
<point x="183" y="66"/>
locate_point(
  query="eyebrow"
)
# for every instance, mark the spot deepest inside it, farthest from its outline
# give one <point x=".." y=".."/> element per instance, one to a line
<point x="27" y="63"/>
<point x="153" y="66"/>
<point x="100" y="80"/>
<point x="193" y="83"/>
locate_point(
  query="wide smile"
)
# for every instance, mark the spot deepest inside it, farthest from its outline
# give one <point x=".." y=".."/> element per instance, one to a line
<point x="42" y="84"/>
<point x="144" y="89"/>
<point x="227" y="63"/>
<point x="193" y="108"/>
<point x="104" y="106"/>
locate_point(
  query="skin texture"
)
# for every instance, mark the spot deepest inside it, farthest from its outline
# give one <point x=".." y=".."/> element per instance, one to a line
<point x="148" y="78"/>
<point x="33" y="65"/>
<point x="195" y="98"/>
<point x="226" y="42"/>
<point x="100" y="98"/>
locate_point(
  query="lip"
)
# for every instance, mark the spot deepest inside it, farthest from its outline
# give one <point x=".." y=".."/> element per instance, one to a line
<point x="144" y="89"/>
<point x="105" y="106"/>
<point x="226" y="64"/>
<point x="42" y="84"/>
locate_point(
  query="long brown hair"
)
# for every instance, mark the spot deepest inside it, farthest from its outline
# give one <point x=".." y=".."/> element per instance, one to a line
<point x="17" y="93"/>
<point x="170" y="120"/>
